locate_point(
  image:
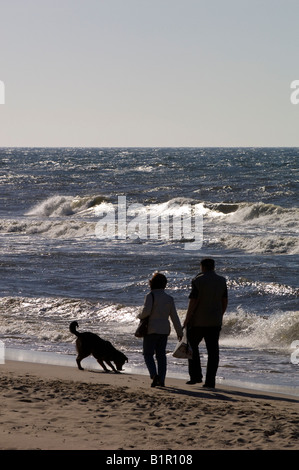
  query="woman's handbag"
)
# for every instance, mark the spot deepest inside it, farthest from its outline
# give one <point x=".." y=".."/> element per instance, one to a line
<point x="183" y="349"/>
<point x="143" y="325"/>
<point x="142" y="328"/>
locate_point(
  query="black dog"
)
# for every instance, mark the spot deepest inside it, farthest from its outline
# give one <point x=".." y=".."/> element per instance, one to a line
<point x="90" y="343"/>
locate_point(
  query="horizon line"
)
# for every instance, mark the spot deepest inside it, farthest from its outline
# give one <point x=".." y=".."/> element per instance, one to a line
<point x="149" y="146"/>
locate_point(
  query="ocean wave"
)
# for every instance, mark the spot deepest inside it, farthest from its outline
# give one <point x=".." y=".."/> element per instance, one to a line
<point x="264" y="214"/>
<point x="248" y="227"/>
<point x="45" y="321"/>
<point x="260" y="244"/>
<point x="262" y="288"/>
<point x="64" y="310"/>
<point x="60" y="205"/>
<point x="259" y="213"/>
<point x="253" y="228"/>
<point x="222" y="208"/>
<point x="247" y="330"/>
<point x="56" y="206"/>
<point x="57" y="217"/>
<point x="65" y="206"/>
<point x="62" y="229"/>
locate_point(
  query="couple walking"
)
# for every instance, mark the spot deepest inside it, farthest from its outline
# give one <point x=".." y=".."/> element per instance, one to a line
<point x="207" y="304"/>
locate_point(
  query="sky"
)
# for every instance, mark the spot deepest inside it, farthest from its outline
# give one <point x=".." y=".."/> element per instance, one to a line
<point x="149" y="73"/>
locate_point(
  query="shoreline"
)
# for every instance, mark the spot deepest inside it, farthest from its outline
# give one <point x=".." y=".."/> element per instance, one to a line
<point x="52" y="407"/>
<point x="62" y="360"/>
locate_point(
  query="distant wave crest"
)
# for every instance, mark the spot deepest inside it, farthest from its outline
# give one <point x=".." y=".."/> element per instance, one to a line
<point x="64" y="205"/>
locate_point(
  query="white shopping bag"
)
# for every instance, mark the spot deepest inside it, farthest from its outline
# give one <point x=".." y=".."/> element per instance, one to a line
<point x="183" y="349"/>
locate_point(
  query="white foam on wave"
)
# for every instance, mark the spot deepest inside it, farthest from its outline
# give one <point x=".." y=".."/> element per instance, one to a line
<point x="57" y="206"/>
<point x="264" y="214"/>
<point x="270" y="332"/>
<point x="256" y="228"/>
<point x="43" y="321"/>
<point x="247" y="227"/>
<point x="260" y="244"/>
<point x="53" y="206"/>
<point x="46" y="321"/>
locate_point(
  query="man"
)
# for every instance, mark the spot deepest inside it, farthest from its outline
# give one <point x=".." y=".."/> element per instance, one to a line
<point x="207" y="305"/>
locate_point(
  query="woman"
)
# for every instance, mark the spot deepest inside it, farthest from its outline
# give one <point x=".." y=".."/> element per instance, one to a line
<point x="159" y="306"/>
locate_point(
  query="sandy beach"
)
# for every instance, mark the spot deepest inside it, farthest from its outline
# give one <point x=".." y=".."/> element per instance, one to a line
<point x="61" y="408"/>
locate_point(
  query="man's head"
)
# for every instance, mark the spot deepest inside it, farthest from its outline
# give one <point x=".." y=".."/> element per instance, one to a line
<point x="207" y="264"/>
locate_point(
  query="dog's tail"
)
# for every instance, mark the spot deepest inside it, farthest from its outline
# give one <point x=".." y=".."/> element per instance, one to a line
<point x="73" y="327"/>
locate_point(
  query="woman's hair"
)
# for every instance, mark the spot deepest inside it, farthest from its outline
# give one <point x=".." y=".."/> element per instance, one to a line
<point x="158" y="281"/>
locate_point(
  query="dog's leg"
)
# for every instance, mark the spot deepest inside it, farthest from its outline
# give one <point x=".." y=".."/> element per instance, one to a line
<point x="112" y="367"/>
<point x="78" y="360"/>
<point x="103" y="365"/>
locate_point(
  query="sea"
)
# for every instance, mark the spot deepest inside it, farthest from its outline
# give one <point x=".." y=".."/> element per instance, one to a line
<point x="83" y="230"/>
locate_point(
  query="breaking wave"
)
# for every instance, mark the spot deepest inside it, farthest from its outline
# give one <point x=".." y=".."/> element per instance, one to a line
<point x="247" y="330"/>
<point x="46" y="320"/>
<point x="57" y="206"/>
<point x="252" y="212"/>
<point x="247" y="227"/>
